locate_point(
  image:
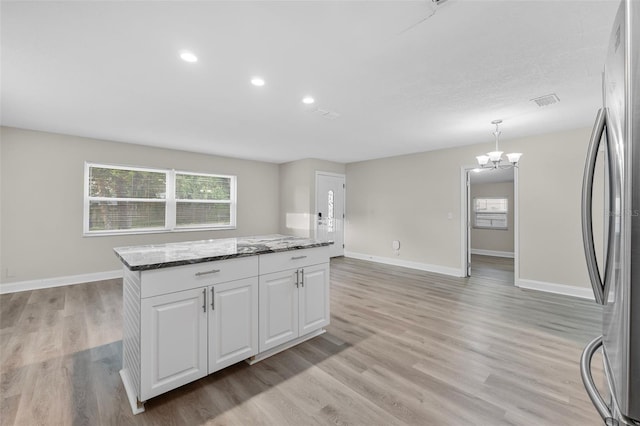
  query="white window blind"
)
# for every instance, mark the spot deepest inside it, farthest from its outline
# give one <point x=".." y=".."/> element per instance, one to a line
<point x="203" y="200"/>
<point x="490" y="213"/>
<point x="123" y="200"/>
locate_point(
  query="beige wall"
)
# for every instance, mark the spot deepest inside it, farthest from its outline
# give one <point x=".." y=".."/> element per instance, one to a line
<point x="298" y="194"/>
<point x="494" y="239"/>
<point x="42" y="201"/>
<point x="2" y="269"/>
<point x="409" y="197"/>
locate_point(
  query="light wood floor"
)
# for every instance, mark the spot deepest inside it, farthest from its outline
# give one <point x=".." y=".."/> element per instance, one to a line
<point x="499" y="269"/>
<point x="403" y="347"/>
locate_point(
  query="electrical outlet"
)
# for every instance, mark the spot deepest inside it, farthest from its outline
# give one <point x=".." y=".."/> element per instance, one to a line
<point x="395" y="245"/>
<point x="10" y="273"/>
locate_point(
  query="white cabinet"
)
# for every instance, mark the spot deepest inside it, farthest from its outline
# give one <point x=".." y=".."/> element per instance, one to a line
<point x="173" y="341"/>
<point x="182" y="323"/>
<point x="293" y="303"/>
<point x="278" y="308"/>
<point x="189" y="334"/>
<point x="313" y="298"/>
<point x="233" y="322"/>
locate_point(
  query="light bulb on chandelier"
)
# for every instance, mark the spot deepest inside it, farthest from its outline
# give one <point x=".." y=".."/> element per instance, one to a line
<point x="493" y="159"/>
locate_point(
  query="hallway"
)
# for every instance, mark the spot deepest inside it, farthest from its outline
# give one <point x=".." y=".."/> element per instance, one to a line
<point x="499" y="269"/>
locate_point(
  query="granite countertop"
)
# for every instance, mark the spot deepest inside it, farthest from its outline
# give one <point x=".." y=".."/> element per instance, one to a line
<point x="142" y="258"/>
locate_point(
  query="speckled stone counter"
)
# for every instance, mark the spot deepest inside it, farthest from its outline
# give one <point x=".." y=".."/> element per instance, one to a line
<point x="142" y="258"/>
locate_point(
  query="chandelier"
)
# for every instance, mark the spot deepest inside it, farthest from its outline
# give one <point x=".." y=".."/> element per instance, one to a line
<point x="493" y="159"/>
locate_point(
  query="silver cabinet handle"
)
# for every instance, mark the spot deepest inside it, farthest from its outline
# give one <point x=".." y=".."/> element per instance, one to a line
<point x="302" y="278"/>
<point x="204" y="304"/>
<point x="298" y="257"/>
<point x="587" y="378"/>
<point x="599" y="128"/>
<point x="213" y="299"/>
<point x="213" y="271"/>
<point x="297" y="277"/>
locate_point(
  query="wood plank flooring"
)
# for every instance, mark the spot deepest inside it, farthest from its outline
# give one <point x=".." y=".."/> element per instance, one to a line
<point x="404" y="347"/>
<point x="499" y="269"/>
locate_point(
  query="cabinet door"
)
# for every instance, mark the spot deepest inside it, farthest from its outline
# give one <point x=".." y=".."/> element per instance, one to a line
<point x="278" y="309"/>
<point x="173" y="341"/>
<point x="233" y="322"/>
<point x="314" y="298"/>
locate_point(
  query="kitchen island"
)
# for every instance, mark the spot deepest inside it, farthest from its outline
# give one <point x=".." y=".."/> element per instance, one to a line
<point x="193" y="308"/>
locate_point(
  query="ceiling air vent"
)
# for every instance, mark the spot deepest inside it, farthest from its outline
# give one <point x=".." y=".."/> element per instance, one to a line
<point x="546" y="100"/>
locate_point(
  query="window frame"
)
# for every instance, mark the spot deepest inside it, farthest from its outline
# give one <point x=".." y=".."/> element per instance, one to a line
<point x="477" y="213"/>
<point x="232" y="202"/>
<point x="170" y="201"/>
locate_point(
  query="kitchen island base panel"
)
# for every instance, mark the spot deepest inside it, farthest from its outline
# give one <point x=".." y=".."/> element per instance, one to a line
<point x="191" y="316"/>
<point x="270" y="352"/>
<point x="137" y="407"/>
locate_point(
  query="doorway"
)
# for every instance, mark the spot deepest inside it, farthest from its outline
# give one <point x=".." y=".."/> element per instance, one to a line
<point x="329" y="217"/>
<point x="490" y="224"/>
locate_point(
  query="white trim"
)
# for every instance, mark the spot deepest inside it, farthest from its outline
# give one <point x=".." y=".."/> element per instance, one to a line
<point x="170" y="202"/>
<point x="85" y="199"/>
<point x="339" y="175"/>
<point x="567" y="290"/>
<point x="157" y="231"/>
<point x="58" y="281"/>
<point x="438" y="269"/>
<point x="464" y="217"/>
<point x="494" y="253"/>
<point x="314" y="215"/>
<point x="516" y="226"/>
<point x="137" y="407"/>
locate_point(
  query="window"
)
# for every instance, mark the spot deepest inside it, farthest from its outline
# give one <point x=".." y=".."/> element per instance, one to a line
<point x="490" y="213"/>
<point x="330" y="211"/>
<point x="203" y="199"/>
<point x="127" y="200"/>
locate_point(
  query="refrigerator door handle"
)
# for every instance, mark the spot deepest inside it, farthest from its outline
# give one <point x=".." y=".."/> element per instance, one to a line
<point x="587" y="379"/>
<point x="587" y="195"/>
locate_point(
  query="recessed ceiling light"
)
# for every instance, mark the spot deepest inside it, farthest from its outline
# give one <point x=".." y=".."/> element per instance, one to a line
<point x="257" y="81"/>
<point x="308" y="100"/>
<point x="188" y="56"/>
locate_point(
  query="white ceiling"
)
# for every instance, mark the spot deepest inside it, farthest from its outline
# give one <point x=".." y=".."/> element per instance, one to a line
<point x="111" y="70"/>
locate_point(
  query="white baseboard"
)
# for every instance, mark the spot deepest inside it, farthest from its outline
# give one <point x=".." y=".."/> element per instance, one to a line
<point x="445" y="270"/>
<point x="494" y="253"/>
<point x="130" y="390"/>
<point x="567" y="290"/>
<point x="58" y="281"/>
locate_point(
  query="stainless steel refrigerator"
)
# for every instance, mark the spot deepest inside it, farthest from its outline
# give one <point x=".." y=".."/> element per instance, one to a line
<point x="616" y="282"/>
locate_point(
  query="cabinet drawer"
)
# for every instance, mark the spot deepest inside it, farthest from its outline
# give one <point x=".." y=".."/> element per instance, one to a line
<point x="178" y="278"/>
<point x="274" y="262"/>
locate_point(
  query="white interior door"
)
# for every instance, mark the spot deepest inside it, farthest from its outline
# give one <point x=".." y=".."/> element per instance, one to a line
<point x="330" y="189"/>
<point x="468" y="216"/>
